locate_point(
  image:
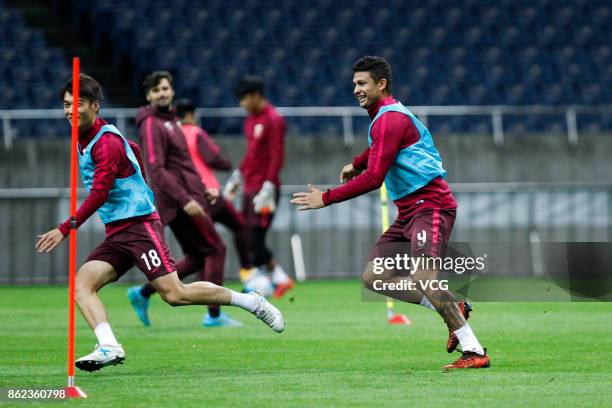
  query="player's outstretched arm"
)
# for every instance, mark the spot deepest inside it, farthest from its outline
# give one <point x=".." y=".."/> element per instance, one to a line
<point x="49" y="240"/>
<point x="311" y="200"/>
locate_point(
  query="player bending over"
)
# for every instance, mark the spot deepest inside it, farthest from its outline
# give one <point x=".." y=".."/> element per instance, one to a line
<point x="401" y="154"/>
<point x="206" y="156"/>
<point x="180" y="196"/>
<point x="111" y="170"/>
<point x="264" y="129"/>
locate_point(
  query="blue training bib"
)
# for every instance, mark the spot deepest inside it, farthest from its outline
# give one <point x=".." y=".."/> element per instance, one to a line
<point x="414" y="166"/>
<point x="129" y="197"/>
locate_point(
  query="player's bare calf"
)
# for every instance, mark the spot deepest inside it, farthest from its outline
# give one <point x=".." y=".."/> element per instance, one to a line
<point x="176" y="293"/>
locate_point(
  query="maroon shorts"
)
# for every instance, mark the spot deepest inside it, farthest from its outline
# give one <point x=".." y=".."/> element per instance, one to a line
<point x="252" y="218"/>
<point x="142" y="244"/>
<point x="425" y="233"/>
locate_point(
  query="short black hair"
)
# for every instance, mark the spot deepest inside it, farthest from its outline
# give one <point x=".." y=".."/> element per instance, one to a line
<point x="154" y="78"/>
<point x="183" y="107"/>
<point x="378" y="68"/>
<point x="247" y="85"/>
<point x="89" y="89"/>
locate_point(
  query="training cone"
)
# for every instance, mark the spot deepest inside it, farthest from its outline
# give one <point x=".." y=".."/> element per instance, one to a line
<point x="74" y="392"/>
<point x="399" y="319"/>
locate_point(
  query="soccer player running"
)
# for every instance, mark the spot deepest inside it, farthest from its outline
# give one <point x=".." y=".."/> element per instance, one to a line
<point x="180" y="197"/>
<point x="260" y="168"/>
<point x="401" y="154"/>
<point x="111" y="170"/>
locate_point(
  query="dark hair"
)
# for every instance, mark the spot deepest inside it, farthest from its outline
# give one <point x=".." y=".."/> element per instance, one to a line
<point x="378" y="68"/>
<point x="89" y="89"/>
<point x="154" y="78"/>
<point x="247" y="85"/>
<point x="183" y="107"/>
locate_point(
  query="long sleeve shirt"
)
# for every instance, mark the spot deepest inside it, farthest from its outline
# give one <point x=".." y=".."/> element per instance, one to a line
<point x="263" y="160"/>
<point x="112" y="163"/>
<point x="205" y="154"/>
<point x="172" y="174"/>
<point x="211" y="153"/>
<point x="391" y="133"/>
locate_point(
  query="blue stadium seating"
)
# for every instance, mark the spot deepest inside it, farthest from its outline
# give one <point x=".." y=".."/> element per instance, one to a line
<point x="27" y="64"/>
<point x="444" y="52"/>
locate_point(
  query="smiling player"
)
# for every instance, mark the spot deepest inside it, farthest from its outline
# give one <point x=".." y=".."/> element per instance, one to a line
<point x="111" y="170"/>
<point x="401" y="154"/>
<point x="180" y="196"/>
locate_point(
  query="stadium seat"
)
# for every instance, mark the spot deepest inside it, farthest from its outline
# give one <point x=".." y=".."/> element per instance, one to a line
<point x="443" y="52"/>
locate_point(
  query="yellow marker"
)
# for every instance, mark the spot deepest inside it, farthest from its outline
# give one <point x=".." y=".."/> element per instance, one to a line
<point x="392" y="318"/>
<point x="384" y="217"/>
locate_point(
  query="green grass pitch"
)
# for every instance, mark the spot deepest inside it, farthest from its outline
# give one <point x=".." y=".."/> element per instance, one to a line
<point x="336" y="351"/>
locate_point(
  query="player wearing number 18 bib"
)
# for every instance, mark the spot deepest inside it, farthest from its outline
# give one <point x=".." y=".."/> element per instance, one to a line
<point x="111" y="170"/>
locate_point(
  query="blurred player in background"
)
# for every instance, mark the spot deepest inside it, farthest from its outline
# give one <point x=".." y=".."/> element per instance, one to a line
<point x="260" y="169"/>
<point x="207" y="157"/>
<point x="180" y="196"/>
<point x="111" y="169"/>
<point x="401" y="154"/>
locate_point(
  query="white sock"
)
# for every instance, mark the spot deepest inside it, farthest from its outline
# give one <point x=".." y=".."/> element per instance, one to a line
<point x="279" y="276"/>
<point x="468" y="340"/>
<point x="426" y="303"/>
<point x="245" y="300"/>
<point x="105" y="335"/>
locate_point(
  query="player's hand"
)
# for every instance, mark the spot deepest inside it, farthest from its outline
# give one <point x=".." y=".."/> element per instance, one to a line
<point x="265" y="199"/>
<point x="229" y="191"/>
<point x="348" y="172"/>
<point x="212" y="195"/>
<point x="49" y="240"/>
<point x="309" y="201"/>
<point x="193" y="208"/>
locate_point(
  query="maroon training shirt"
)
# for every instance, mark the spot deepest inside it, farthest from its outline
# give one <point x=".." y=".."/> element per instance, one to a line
<point x="111" y="163"/>
<point x="263" y="160"/>
<point x="211" y="152"/>
<point x="174" y="179"/>
<point x="391" y="133"/>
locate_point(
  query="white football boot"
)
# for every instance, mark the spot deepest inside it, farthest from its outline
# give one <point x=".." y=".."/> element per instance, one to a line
<point x="102" y="356"/>
<point x="269" y="314"/>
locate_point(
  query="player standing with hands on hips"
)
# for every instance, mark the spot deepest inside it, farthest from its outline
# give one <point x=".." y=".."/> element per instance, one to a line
<point x="112" y="172"/>
<point x="401" y="154"/>
<point x="259" y="171"/>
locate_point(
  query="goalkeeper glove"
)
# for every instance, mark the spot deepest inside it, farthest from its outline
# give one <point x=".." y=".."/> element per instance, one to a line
<point x="232" y="183"/>
<point x="265" y="199"/>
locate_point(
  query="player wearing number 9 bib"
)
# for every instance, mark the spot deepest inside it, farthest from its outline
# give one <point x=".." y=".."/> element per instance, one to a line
<point x="112" y="171"/>
<point x="403" y="156"/>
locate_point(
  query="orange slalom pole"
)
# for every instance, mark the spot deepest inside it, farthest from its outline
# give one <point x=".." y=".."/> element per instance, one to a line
<point x="72" y="391"/>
